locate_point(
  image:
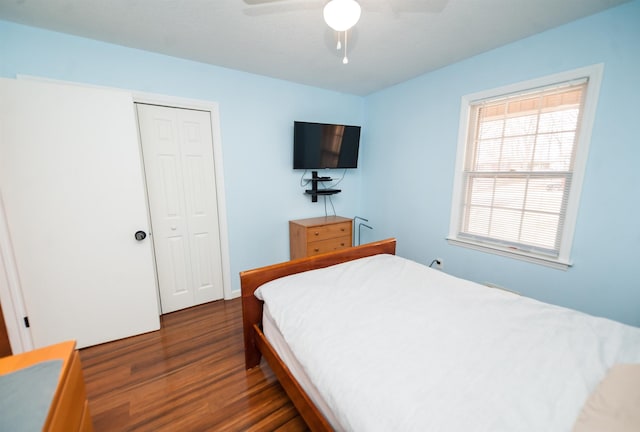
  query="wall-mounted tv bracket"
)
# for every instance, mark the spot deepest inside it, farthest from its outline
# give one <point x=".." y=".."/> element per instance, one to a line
<point x="314" y="191"/>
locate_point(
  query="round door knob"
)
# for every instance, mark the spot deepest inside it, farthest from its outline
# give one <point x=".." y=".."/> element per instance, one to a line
<point x="140" y="235"/>
<point x="173" y="227"/>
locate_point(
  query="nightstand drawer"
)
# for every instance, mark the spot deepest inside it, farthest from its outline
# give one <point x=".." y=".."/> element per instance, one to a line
<point x="323" y="246"/>
<point x="324" y="232"/>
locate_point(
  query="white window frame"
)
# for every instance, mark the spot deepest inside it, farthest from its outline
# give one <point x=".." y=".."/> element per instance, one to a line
<point x="563" y="260"/>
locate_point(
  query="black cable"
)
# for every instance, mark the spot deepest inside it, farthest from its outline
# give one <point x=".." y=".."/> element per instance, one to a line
<point x="331" y="202"/>
<point x="301" y="178"/>
<point x="325" y="205"/>
<point x="341" y="178"/>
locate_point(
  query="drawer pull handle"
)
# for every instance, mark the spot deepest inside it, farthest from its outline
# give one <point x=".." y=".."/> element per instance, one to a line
<point x="316" y="233"/>
<point x="341" y="244"/>
<point x="316" y="250"/>
<point x="342" y="229"/>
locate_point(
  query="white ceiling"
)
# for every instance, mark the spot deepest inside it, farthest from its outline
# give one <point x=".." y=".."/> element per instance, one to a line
<point x="394" y="40"/>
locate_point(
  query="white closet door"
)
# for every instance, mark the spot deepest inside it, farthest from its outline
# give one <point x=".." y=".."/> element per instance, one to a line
<point x="178" y="157"/>
<point x="72" y="183"/>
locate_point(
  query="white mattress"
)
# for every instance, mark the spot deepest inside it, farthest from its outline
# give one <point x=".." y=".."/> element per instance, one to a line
<point x="275" y="338"/>
<point x="392" y="345"/>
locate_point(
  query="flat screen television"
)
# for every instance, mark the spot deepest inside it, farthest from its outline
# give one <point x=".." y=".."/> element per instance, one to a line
<point x="321" y="145"/>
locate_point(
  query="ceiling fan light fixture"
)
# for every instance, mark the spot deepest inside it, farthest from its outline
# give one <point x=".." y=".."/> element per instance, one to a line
<point x="341" y="15"/>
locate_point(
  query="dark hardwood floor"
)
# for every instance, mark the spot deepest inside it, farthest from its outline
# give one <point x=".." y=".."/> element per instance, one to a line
<point x="188" y="376"/>
<point x="5" y="345"/>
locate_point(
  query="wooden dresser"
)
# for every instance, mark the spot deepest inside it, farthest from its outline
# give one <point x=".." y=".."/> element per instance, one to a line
<point x="69" y="410"/>
<point x="319" y="235"/>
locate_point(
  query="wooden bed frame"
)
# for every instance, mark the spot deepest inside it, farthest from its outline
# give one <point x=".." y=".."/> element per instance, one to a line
<point x="255" y="343"/>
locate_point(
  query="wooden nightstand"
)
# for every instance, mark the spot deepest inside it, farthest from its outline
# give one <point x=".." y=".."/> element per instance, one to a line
<point x="69" y="409"/>
<point x="318" y="235"/>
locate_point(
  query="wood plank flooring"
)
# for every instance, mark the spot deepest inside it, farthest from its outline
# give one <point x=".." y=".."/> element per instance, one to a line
<point x="5" y="345"/>
<point x="188" y="376"/>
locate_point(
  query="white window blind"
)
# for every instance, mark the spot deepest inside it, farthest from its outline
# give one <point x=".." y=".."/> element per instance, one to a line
<point x="518" y="167"/>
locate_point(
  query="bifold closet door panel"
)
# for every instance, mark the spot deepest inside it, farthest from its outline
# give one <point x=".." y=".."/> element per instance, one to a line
<point x="177" y="146"/>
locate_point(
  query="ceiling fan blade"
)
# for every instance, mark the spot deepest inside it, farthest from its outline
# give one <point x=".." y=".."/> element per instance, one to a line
<point x="423" y="6"/>
<point x="404" y="6"/>
<point x="395" y="7"/>
<point x="268" y="7"/>
<point x="261" y="2"/>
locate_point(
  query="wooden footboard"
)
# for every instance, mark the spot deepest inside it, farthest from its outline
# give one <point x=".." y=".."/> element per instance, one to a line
<point x="256" y="345"/>
<point x="303" y="403"/>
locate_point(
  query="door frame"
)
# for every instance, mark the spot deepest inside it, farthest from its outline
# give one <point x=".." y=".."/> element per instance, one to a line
<point x="10" y="292"/>
<point x="214" y="116"/>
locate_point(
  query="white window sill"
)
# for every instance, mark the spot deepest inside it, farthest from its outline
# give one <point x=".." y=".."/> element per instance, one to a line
<point x="520" y="255"/>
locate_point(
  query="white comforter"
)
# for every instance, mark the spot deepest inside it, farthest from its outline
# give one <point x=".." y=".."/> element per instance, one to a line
<point x="392" y="345"/>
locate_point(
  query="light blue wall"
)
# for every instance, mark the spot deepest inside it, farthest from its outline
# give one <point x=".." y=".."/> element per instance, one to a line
<point x="412" y="132"/>
<point x="262" y="190"/>
<point x="404" y="185"/>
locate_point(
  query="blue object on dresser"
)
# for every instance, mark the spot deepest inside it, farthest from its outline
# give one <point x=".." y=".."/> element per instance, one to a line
<point x="26" y="395"/>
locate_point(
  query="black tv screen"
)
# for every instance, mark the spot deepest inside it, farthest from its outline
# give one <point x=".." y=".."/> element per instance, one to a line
<point x="321" y="145"/>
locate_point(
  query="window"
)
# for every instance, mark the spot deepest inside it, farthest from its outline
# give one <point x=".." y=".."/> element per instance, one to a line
<point x="521" y="158"/>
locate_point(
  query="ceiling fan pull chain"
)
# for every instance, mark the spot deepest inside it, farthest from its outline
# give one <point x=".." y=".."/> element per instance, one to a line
<point x="345" y="60"/>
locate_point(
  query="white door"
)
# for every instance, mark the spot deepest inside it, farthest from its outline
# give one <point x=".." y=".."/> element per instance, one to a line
<point x="72" y="184"/>
<point x="177" y="145"/>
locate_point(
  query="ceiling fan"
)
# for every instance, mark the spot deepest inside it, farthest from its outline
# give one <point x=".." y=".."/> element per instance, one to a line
<point x="342" y="15"/>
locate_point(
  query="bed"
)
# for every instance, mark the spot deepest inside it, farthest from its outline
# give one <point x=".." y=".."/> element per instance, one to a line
<point x="363" y="340"/>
